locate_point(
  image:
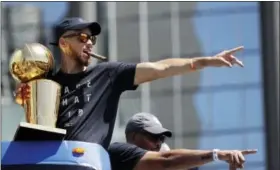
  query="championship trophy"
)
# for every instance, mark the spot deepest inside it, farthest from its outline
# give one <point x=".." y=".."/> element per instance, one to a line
<point x="30" y="65"/>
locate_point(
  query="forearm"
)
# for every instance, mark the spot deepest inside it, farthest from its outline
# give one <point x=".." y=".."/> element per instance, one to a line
<point x="150" y="71"/>
<point x="176" y="66"/>
<point x="183" y="158"/>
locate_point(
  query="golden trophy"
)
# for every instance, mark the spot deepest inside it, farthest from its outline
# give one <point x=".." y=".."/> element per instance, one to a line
<point x="30" y="65"/>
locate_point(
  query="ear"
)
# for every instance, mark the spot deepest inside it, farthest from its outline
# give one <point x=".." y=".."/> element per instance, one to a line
<point x="62" y="43"/>
<point x="136" y="136"/>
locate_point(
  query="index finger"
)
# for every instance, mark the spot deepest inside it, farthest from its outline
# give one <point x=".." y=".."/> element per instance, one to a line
<point x="235" y="49"/>
<point x="250" y="151"/>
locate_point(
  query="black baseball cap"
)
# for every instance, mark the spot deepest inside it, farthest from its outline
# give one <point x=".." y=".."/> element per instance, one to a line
<point x="74" y="23"/>
<point x="146" y="122"/>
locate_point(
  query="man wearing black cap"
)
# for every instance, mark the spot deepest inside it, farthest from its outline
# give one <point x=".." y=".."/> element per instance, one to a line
<point x="90" y="95"/>
<point x="145" y="137"/>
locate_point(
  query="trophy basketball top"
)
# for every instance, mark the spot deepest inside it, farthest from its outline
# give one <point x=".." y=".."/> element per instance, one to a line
<point x="34" y="61"/>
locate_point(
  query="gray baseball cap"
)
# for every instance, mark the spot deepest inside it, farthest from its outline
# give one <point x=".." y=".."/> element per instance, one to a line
<point x="147" y="122"/>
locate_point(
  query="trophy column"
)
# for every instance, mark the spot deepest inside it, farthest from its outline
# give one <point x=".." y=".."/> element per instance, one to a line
<point x="30" y="65"/>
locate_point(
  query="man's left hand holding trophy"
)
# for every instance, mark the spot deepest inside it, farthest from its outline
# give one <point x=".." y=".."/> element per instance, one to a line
<point x="38" y="96"/>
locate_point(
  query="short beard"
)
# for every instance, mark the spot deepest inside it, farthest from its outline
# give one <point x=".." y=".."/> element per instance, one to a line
<point x="81" y="62"/>
<point x="70" y="52"/>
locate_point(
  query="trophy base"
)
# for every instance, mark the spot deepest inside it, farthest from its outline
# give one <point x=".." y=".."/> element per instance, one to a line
<point x="34" y="132"/>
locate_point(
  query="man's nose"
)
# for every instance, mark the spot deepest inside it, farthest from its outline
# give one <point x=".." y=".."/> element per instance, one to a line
<point x="89" y="44"/>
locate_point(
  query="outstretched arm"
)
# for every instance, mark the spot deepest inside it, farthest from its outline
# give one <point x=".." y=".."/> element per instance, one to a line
<point x="183" y="158"/>
<point x="149" y="71"/>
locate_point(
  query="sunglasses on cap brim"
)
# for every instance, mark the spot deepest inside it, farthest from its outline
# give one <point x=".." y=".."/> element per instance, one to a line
<point x="82" y="37"/>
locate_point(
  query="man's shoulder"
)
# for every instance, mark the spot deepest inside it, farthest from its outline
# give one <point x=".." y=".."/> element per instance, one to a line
<point x="125" y="155"/>
<point x="121" y="147"/>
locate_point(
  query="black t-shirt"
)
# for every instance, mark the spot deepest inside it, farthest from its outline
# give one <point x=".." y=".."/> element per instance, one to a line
<point x="89" y="100"/>
<point x="124" y="156"/>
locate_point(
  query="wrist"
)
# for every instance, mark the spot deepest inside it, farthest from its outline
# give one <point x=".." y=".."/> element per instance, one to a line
<point x="216" y="154"/>
<point x="201" y="62"/>
<point x="222" y="155"/>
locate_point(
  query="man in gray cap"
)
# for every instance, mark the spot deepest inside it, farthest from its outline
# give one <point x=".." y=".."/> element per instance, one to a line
<point x="146" y="131"/>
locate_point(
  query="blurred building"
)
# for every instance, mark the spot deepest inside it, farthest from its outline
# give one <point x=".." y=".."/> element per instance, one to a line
<point x="270" y="13"/>
<point x="5" y="83"/>
<point x="21" y="24"/>
<point x="25" y="25"/>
